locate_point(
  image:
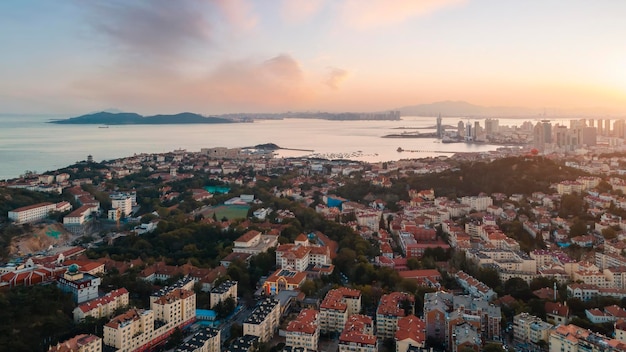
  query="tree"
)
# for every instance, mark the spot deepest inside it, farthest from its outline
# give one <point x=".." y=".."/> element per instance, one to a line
<point x="308" y="287"/>
<point x="492" y="347"/>
<point x="609" y="233"/>
<point x="175" y="339"/>
<point x="579" y="227"/>
<point x="517" y="288"/>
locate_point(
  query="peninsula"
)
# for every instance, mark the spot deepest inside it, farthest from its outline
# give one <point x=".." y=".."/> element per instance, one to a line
<point x="125" y="118"/>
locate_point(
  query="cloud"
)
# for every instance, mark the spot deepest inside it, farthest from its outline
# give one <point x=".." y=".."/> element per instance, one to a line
<point x="239" y="14"/>
<point x="296" y="11"/>
<point x="335" y="76"/>
<point x="167" y="32"/>
<point x="159" y="30"/>
<point x="364" y="14"/>
<point x="278" y="82"/>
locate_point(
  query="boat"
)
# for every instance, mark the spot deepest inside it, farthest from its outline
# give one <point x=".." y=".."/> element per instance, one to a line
<point x="103" y="126"/>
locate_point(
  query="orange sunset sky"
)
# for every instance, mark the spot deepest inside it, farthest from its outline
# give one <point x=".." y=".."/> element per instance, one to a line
<point x="223" y="56"/>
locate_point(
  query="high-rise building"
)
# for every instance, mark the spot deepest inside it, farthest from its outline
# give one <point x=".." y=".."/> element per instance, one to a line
<point x="547" y="131"/>
<point x="607" y="127"/>
<point x="618" y="129"/>
<point x="589" y="136"/>
<point x="439" y="127"/>
<point x="460" y="129"/>
<point x="492" y="126"/>
<point x="599" y="127"/>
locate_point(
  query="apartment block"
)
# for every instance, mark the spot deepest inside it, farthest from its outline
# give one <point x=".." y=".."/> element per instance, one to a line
<point x="391" y="308"/>
<point x="264" y="320"/>
<point x="358" y="335"/>
<point x="103" y="306"/>
<point x="304" y="331"/>
<point x="205" y="340"/>
<point x="337" y="306"/>
<point x="79" y="343"/>
<point x="227" y="289"/>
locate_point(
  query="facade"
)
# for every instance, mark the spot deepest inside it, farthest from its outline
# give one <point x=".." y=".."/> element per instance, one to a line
<point x="571" y="338"/>
<point x="390" y="309"/>
<point x="139" y="329"/>
<point x="79" y="343"/>
<point x="283" y="279"/>
<point x="337" y="306"/>
<point x="411" y="333"/>
<point x="246" y="343"/>
<point x="205" y="340"/>
<point x="36" y="212"/>
<point x="264" y="320"/>
<point x="475" y="287"/>
<point x="529" y="328"/>
<point x="103" y="306"/>
<point x="227" y="289"/>
<point x="253" y="242"/>
<point x="465" y="336"/>
<point x="444" y="311"/>
<point x="304" y="331"/>
<point x="82" y="286"/>
<point x="557" y="313"/>
<point x="358" y="335"/>
<point x="122" y="202"/>
<point x="477" y="203"/>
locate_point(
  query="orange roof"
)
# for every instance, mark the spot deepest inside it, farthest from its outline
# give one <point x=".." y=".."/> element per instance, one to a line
<point x="106" y="299"/>
<point x="306" y="322"/>
<point x="334" y="298"/>
<point x="390" y="304"/>
<point x="301" y="238"/>
<point x="174" y="295"/>
<point x="411" y="327"/>
<point x="131" y="314"/>
<point x="248" y="236"/>
<point x="29" y="207"/>
<point x="74" y="344"/>
<point x="355" y="330"/>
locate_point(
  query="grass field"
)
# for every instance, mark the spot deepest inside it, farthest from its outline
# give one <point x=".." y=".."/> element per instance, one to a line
<point x="229" y="211"/>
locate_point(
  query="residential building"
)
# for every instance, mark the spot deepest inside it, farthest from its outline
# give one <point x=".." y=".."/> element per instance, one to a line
<point x="103" y="306"/>
<point x="304" y="331"/>
<point x="79" y="343"/>
<point x="283" y="279"/>
<point x="411" y="332"/>
<point x="227" y="289"/>
<point x="391" y="308"/>
<point x="474" y="287"/>
<point x="82" y="286"/>
<point x="37" y="212"/>
<point x="529" y="328"/>
<point x="264" y="320"/>
<point x="139" y="329"/>
<point x="254" y="242"/>
<point x="572" y="338"/>
<point x="245" y="343"/>
<point x="205" y="340"/>
<point x="557" y="313"/>
<point x="337" y="306"/>
<point x="465" y="336"/>
<point x="358" y="335"/>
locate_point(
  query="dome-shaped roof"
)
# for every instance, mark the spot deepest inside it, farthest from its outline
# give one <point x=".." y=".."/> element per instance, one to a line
<point x="73" y="268"/>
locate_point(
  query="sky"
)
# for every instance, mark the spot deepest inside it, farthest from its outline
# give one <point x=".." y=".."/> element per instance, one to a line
<point x="233" y="56"/>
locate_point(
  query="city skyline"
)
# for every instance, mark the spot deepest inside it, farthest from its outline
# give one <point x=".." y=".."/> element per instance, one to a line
<point x="218" y="56"/>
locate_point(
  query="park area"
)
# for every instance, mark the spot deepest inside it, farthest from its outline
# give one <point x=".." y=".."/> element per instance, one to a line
<point x="226" y="211"/>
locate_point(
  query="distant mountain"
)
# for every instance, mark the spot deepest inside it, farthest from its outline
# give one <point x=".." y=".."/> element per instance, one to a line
<point x="462" y="108"/>
<point x="129" y="118"/>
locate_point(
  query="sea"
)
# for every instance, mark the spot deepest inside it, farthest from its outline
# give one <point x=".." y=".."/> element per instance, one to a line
<point x="31" y="143"/>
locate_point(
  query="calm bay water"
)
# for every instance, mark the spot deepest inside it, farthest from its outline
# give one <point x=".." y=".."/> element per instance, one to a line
<point x="29" y="143"/>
